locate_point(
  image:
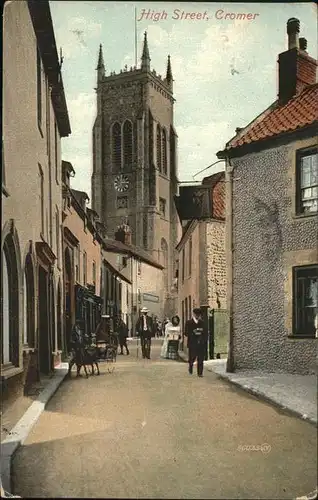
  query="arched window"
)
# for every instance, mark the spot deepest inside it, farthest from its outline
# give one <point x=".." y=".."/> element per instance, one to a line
<point x="5" y="311"/>
<point x="10" y="304"/>
<point x="165" y="260"/>
<point x="128" y="144"/>
<point x="158" y="148"/>
<point x="116" y="135"/>
<point x="164" y="151"/>
<point x="29" y="309"/>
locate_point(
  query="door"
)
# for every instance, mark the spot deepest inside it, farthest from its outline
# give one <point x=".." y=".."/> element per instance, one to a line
<point x="44" y="327"/>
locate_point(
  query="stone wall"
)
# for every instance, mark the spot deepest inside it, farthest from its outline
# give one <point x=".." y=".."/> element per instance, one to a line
<point x="268" y="240"/>
<point x="216" y="264"/>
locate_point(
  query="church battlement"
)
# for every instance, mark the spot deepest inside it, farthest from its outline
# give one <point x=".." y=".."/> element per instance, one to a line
<point x="162" y="85"/>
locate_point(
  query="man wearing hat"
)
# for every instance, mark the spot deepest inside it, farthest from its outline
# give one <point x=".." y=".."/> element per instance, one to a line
<point x="196" y="332"/>
<point x="145" y="330"/>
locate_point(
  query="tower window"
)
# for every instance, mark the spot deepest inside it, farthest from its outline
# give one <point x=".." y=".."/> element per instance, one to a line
<point x="122" y="202"/>
<point x="128" y="145"/>
<point x="116" y="145"/>
<point x="164" y="151"/>
<point x="158" y="148"/>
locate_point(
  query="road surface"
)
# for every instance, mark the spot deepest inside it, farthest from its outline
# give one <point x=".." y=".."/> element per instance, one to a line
<point x="151" y="430"/>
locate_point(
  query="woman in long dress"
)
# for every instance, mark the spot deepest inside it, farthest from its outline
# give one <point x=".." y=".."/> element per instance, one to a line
<point x="170" y="346"/>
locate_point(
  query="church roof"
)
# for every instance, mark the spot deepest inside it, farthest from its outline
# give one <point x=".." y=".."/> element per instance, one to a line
<point x="119" y="247"/>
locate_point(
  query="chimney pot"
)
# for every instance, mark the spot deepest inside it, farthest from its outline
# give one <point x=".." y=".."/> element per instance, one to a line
<point x="302" y="43"/>
<point x="296" y="69"/>
<point x="293" y="26"/>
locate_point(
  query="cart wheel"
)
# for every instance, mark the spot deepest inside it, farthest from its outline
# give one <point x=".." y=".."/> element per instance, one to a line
<point x="111" y="359"/>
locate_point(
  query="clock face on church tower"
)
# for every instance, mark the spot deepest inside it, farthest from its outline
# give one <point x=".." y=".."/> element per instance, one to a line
<point x="121" y="183"/>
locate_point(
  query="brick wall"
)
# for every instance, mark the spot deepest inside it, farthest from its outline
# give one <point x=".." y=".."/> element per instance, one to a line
<point x="267" y="242"/>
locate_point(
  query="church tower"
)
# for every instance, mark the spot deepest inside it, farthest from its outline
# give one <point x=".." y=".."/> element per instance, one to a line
<point x="135" y="160"/>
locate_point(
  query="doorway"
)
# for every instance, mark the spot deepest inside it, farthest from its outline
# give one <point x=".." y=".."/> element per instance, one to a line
<point x="44" y="327"/>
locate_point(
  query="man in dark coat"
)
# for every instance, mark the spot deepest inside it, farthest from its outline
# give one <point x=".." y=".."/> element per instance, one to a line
<point x="145" y="330"/>
<point x="122" y="331"/>
<point x="196" y="332"/>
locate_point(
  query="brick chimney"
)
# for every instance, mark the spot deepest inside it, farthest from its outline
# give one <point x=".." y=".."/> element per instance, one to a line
<point x="123" y="234"/>
<point x="296" y="69"/>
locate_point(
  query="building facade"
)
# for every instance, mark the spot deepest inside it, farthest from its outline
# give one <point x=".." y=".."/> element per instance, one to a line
<point x="82" y="246"/>
<point x="272" y="221"/>
<point x="35" y="118"/>
<point x="201" y="255"/>
<point x="143" y="275"/>
<point x="135" y="159"/>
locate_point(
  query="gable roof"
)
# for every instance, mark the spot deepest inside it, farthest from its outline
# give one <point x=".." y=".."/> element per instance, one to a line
<point x="297" y="113"/>
<point x="119" y="247"/>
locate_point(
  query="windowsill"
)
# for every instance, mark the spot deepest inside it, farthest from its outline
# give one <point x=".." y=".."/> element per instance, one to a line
<point x="10" y="371"/>
<point x="40" y="129"/>
<point x="304" y="216"/>
<point x="5" y="191"/>
<point x="300" y="337"/>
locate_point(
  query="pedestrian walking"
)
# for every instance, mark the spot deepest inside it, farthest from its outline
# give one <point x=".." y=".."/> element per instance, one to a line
<point x="170" y="346"/>
<point x="197" y="335"/>
<point x="122" y="331"/>
<point x="145" y="330"/>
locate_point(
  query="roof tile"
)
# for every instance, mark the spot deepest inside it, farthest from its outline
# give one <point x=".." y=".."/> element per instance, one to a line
<point x="299" y="112"/>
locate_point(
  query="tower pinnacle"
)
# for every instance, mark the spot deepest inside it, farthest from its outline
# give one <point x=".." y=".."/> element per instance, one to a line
<point x="100" y="65"/>
<point x="145" y="58"/>
<point x="169" y="78"/>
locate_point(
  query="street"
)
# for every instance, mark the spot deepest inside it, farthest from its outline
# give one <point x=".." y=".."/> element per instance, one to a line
<point x="150" y="430"/>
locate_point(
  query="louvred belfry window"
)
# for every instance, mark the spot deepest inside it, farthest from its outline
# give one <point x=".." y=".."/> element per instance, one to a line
<point x="116" y="135"/>
<point x="128" y="145"/>
<point x="164" y="151"/>
<point x="158" y="148"/>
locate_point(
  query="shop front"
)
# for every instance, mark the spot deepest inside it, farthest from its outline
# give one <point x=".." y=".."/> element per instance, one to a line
<point x="88" y="308"/>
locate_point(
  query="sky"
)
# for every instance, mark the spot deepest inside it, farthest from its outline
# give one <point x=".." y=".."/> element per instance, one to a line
<point x="224" y="70"/>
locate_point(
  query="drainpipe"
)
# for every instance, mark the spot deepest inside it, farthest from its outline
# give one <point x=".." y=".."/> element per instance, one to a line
<point x="230" y="367"/>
